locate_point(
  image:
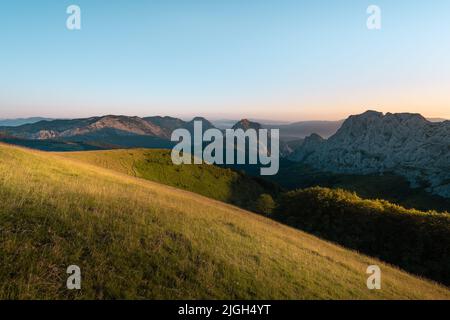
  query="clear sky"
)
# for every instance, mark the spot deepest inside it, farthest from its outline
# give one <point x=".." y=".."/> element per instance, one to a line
<point x="279" y="59"/>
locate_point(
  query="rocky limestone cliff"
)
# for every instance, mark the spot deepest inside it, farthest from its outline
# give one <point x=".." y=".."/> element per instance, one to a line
<point x="371" y="143"/>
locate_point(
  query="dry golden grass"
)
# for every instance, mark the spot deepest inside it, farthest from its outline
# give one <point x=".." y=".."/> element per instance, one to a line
<point x="156" y="165"/>
<point x="135" y="239"/>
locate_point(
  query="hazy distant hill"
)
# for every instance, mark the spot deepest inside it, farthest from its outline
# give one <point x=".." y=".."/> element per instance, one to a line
<point x="228" y="123"/>
<point x="300" y="130"/>
<point x="374" y="143"/>
<point x="437" y="119"/>
<point x="112" y="131"/>
<point x="168" y="124"/>
<point x="290" y="131"/>
<point x="20" y="121"/>
<point x="107" y="132"/>
<point x="79" y="127"/>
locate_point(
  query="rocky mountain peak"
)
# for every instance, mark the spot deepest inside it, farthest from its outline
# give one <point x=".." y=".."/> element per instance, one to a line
<point x="206" y="124"/>
<point x="246" y="124"/>
<point x="374" y="143"/>
<point x="199" y="119"/>
<point x="369" y="114"/>
<point x="314" y="138"/>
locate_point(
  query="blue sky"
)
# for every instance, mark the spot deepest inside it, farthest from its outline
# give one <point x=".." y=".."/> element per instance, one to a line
<point x="279" y="59"/>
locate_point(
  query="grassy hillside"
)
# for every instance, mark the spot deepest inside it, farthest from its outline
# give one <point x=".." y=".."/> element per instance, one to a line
<point x="221" y="184"/>
<point x="413" y="240"/>
<point x="137" y="239"/>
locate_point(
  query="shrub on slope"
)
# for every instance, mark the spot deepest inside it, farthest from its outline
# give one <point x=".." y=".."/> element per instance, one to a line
<point x="417" y="241"/>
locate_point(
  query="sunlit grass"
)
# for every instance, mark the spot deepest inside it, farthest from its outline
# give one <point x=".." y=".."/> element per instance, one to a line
<point x="221" y="184"/>
<point x="137" y="239"/>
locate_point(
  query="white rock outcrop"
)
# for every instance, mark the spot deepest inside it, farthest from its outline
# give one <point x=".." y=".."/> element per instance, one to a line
<point x="402" y="143"/>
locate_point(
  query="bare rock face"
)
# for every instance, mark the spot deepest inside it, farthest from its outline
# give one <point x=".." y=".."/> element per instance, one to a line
<point x="133" y="125"/>
<point x="45" y="134"/>
<point x="370" y="143"/>
<point x="94" y="126"/>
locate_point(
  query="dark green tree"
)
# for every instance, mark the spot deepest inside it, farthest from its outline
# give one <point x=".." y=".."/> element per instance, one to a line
<point x="265" y="204"/>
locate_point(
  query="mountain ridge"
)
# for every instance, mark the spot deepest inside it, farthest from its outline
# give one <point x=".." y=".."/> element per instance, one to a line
<point x="404" y="143"/>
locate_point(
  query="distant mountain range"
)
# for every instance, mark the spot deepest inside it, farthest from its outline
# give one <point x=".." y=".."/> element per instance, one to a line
<point x="291" y="133"/>
<point x="300" y="130"/>
<point x="229" y="123"/>
<point x="161" y="127"/>
<point x="104" y="132"/>
<point x="436" y="119"/>
<point x="124" y="131"/>
<point x="20" y="121"/>
<point x="373" y="143"/>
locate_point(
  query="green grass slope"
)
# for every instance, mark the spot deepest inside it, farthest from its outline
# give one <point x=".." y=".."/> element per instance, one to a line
<point x="138" y="239"/>
<point x="412" y="240"/>
<point x="155" y="165"/>
<point x="388" y="186"/>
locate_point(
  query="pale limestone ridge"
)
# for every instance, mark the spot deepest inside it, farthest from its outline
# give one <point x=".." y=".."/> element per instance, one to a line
<point x="373" y="142"/>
